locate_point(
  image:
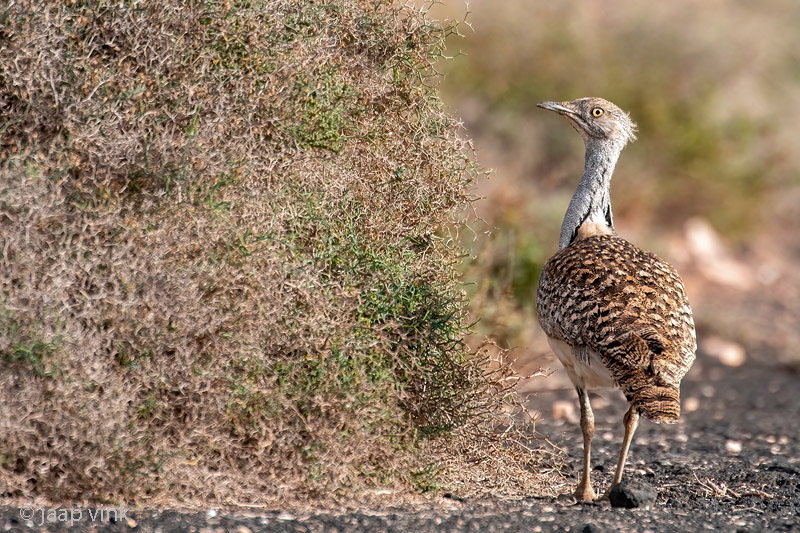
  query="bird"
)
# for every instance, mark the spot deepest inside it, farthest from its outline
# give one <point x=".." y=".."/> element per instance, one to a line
<point x="614" y="315"/>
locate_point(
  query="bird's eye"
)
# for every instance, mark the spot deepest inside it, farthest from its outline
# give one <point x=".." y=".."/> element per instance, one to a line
<point x="597" y="111"/>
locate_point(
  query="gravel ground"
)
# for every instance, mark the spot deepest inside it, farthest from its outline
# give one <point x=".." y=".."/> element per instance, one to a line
<point x="732" y="464"/>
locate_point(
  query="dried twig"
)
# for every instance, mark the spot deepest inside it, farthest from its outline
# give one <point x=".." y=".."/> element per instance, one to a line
<point x="721" y="490"/>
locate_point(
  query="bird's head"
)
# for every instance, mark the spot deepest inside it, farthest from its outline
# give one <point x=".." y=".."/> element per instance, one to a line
<point x="596" y="119"/>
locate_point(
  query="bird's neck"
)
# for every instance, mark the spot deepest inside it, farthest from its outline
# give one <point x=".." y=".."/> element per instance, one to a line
<point x="591" y="202"/>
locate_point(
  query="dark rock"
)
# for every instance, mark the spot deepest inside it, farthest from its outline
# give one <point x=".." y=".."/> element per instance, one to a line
<point x="589" y="528"/>
<point x="630" y="494"/>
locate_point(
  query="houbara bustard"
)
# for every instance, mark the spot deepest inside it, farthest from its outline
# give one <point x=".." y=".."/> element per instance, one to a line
<point x="614" y="315"/>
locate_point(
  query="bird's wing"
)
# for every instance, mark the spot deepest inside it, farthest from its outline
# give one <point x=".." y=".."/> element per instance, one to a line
<point x="627" y="305"/>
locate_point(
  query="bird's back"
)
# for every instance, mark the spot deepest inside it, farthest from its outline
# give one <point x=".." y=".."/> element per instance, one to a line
<point x="605" y="295"/>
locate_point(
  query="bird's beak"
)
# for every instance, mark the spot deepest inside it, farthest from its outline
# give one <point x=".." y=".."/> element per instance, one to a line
<point x="558" y="107"/>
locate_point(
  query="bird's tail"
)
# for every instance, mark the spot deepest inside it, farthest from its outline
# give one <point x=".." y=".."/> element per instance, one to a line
<point x="645" y="375"/>
<point x="658" y="403"/>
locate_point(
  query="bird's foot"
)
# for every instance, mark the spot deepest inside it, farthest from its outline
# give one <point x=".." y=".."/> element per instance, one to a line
<point x="584" y="493"/>
<point x="607" y="494"/>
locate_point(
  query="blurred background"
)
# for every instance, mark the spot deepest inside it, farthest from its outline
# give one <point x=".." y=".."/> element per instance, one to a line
<point x="712" y="185"/>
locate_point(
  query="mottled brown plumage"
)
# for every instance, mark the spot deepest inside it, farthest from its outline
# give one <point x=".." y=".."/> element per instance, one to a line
<point x="605" y="295"/>
<point x="614" y="314"/>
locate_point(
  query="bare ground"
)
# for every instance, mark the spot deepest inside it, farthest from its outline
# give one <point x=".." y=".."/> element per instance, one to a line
<point x="733" y="464"/>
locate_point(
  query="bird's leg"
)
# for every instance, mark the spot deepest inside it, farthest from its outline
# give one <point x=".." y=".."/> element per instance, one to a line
<point x="631" y="421"/>
<point x="584" y="490"/>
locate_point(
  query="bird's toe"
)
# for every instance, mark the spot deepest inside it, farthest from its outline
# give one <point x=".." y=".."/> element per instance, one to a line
<point x="584" y="493"/>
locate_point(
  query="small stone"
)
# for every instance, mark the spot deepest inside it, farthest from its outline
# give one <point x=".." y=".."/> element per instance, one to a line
<point x="589" y="528"/>
<point x="630" y="494"/>
<point x="733" y="446"/>
<point x="727" y="352"/>
<point x="565" y="410"/>
<point x="600" y="402"/>
<point x="691" y="404"/>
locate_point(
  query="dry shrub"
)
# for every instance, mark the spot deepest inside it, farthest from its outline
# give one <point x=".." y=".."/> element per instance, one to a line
<point x="226" y="271"/>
